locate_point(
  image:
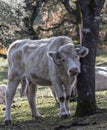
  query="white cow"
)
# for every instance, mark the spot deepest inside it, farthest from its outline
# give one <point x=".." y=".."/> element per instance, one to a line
<point x="2" y="93"/>
<point x="101" y="78"/>
<point x="53" y="61"/>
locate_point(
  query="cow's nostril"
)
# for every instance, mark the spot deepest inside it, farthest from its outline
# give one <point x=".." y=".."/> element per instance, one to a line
<point x="73" y="71"/>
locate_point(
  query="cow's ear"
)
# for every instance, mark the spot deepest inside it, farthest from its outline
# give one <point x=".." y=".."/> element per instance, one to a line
<point x="82" y="51"/>
<point x="56" y="57"/>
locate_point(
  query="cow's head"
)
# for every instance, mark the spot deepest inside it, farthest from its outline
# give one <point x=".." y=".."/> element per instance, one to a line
<point x="68" y="56"/>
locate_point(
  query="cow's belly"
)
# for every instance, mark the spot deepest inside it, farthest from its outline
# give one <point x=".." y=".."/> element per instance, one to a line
<point x="43" y="82"/>
<point x="39" y="80"/>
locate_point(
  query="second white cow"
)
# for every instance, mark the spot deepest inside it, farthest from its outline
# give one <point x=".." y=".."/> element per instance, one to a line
<point x="53" y="61"/>
<point x="2" y="93"/>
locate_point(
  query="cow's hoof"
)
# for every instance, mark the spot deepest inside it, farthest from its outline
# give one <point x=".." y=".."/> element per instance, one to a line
<point x="64" y="116"/>
<point x="8" y="122"/>
<point x="37" y="117"/>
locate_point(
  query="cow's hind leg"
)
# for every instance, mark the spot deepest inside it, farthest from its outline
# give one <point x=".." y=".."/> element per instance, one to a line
<point x="31" y="90"/>
<point x="10" y="92"/>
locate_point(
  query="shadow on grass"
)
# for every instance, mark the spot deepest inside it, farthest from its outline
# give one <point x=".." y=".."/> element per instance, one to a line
<point x="52" y="121"/>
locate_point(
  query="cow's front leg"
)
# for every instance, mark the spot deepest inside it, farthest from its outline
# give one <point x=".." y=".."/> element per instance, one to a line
<point x="31" y="90"/>
<point x="54" y="94"/>
<point x="10" y="92"/>
<point x="68" y="90"/>
<point x="58" y="89"/>
<point x="63" y="110"/>
<point x="67" y="105"/>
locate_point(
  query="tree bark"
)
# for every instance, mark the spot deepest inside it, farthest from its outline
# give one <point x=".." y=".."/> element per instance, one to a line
<point x="86" y="102"/>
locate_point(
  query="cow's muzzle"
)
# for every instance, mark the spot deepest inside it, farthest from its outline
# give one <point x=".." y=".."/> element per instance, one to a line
<point x="73" y="71"/>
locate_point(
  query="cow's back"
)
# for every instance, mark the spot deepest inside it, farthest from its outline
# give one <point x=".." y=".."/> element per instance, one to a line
<point x="53" y="43"/>
<point x="16" y="48"/>
<point x="18" y="44"/>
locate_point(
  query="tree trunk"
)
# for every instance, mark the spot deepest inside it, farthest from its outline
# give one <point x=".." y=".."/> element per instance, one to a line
<point x="86" y="102"/>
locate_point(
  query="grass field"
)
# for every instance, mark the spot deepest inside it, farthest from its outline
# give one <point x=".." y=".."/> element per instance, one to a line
<point x="47" y="106"/>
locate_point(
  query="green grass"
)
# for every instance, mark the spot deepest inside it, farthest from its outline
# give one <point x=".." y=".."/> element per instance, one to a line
<point x="47" y="106"/>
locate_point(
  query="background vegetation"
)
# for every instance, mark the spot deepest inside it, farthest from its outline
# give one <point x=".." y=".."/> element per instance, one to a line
<point x="43" y="18"/>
